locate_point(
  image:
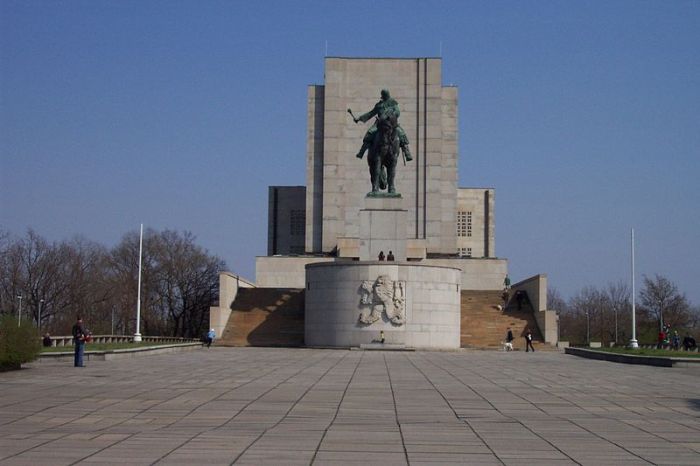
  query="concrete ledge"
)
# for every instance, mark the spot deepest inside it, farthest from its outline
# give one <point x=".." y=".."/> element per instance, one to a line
<point x="633" y="359"/>
<point x="384" y="347"/>
<point x="121" y="353"/>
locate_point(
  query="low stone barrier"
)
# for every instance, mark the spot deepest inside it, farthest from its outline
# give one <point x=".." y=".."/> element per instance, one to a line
<point x="68" y="340"/>
<point x="634" y="359"/>
<point x="120" y="353"/>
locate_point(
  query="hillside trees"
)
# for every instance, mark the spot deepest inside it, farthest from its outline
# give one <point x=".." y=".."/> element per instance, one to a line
<point x="608" y="312"/>
<point x="80" y="277"/>
<point x="662" y="301"/>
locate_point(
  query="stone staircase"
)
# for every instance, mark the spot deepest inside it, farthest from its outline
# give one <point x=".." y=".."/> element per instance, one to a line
<point x="484" y="326"/>
<point x="275" y="317"/>
<point x="265" y="317"/>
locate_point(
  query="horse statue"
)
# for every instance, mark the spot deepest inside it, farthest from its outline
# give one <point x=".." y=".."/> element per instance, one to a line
<point x="383" y="155"/>
<point x="385" y="140"/>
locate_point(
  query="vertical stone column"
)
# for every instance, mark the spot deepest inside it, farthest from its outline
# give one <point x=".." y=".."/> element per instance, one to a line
<point x="383" y="228"/>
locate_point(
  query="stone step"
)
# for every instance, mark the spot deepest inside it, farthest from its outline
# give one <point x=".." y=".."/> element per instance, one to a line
<point x="485" y="326"/>
<point x="385" y="347"/>
<point x="266" y="317"/>
<point x="275" y="317"/>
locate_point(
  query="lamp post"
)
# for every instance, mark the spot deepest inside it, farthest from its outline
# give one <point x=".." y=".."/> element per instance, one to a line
<point x="588" y="328"/>
<point x="19" y="312"/>
<point x="38" y="319"/>
<point x="633" y="341"/>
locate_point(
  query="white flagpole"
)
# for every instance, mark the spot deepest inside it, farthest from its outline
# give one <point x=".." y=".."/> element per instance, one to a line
<point x="137" y="335"/>
<point x="633" y="341"/>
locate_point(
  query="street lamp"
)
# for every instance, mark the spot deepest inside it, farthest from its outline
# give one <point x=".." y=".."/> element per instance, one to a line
<point x="588" y="328"/>
<point x="38" y="319"/>
<point x="19" y="312"/>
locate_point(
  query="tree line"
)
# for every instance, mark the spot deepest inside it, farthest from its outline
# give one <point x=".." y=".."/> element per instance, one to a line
<point x="605" y="314"/>
<point x="57" y="281"/>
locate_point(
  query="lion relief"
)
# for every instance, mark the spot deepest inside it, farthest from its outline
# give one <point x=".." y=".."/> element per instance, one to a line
<point x="386" y="295"/>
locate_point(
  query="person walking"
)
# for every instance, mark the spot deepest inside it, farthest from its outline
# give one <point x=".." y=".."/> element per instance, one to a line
<point x="211" y="336"/>
<point x="79" y="341"/>
<point x="509" y="340"/>
<point x="506" y="283"/>
<point x="676" y="341"/>
<point x="528" y="341"/>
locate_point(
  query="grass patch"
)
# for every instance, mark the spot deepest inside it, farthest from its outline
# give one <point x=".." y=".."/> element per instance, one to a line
<point x="649" y="352"/>
<point x="103" y="347"/>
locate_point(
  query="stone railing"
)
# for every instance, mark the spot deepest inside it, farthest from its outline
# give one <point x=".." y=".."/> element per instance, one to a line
<point x="595" y="345"/>
<point x="68" y="340"/>
<point x="667" y="347"/>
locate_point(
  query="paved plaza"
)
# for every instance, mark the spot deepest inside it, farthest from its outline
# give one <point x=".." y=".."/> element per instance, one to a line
<point x="303" y="406"/>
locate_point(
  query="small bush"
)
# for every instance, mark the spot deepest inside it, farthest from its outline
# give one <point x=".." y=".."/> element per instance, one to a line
<point x="17" y="344"/>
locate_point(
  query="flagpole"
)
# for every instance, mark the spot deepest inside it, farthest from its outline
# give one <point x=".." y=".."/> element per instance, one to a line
<point x="633" y="341"/>
<point x="137" y="335"/>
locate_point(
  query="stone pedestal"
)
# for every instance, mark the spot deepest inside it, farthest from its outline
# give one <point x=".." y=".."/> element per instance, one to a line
<point x="340" y="296"/>
<point x="383" y="228"/>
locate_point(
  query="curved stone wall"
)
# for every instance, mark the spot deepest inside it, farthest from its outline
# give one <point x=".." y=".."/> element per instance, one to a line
<point x="415" y="305"/>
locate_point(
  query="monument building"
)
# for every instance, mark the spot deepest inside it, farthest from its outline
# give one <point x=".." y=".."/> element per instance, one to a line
<point x="443" y="221"/>
<point x="327" y="240"/>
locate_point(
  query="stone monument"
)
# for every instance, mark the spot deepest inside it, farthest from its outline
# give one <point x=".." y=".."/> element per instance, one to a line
<point x="412" y="304"/>
<point x="383" y="139"/>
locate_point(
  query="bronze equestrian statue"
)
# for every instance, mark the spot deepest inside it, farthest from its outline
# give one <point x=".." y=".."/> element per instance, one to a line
<point x="384" y="139"/>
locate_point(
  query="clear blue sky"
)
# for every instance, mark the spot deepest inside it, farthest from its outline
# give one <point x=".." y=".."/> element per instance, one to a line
<point x="584" y="116"/>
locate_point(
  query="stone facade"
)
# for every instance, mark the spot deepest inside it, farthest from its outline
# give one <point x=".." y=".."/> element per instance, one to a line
<point x="286" y="220"/>
<point x="337" y="181"/>
<point x="431" y="304"/>
<point x="476" y="223"/>
<point x="431" y="212"/>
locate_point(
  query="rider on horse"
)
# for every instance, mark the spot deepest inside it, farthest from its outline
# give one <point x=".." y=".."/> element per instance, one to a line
<point x="386" y="108"/>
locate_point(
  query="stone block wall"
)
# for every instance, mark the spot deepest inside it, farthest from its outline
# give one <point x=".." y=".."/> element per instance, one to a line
<point x="337" y="181"/>
<point x="432" y="305"/>
<point x="480" y="203"/>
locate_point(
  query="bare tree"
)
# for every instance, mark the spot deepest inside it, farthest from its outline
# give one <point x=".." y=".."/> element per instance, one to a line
<point x="555" y="301"/>
<point x="660" y="297"/>
<point x="618" y="303"/>
<point x="123" y="278"/>
<point x="187" y="278"/>
<point x="179" y="282"/>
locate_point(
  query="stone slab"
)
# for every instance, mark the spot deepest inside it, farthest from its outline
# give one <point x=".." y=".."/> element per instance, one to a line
<point x="303" y="406"/>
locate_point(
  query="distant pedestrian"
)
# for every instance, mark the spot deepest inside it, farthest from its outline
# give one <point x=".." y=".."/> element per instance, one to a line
<point x="519" y="298"/>
<point x="662" y="339"/>
<point x="676" y="341"/>
<point x="506" y="283"/>
<point x="509" y="340"/>
<point x="688" y="343"/>
<point x="390" y="257"/>
<point x="505" y="297"/>
<point x="46" y="341"/>
<point x="211" y="336"/>
<point x="381" y="255"/>
<point x="528" y="341"/>
<point x="78" y="332"/>
<point x="381" y="336"/>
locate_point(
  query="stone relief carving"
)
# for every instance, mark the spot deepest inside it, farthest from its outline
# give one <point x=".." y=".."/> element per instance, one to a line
<point x="384" y="294"/>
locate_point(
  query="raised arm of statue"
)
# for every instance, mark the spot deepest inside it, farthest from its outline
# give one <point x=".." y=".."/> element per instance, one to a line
<point x="364" y="117"/>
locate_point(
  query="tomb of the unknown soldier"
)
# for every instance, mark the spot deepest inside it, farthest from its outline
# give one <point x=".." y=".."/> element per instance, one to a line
<point x="381" y="240"/>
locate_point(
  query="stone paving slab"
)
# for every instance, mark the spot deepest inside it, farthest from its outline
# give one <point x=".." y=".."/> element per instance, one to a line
<point x="311" y="406"/>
